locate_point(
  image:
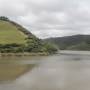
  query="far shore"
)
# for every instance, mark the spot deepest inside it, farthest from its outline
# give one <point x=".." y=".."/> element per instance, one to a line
<point x="74" y="52"/>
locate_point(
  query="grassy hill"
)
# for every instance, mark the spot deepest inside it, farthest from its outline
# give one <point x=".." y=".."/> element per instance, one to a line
<point x="75" y="42"/>
<point x="9" y="33"/>
<point x="15" y="38"/>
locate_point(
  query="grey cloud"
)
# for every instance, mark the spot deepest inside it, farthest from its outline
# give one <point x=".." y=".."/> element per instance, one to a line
<point x="49" y="18"/>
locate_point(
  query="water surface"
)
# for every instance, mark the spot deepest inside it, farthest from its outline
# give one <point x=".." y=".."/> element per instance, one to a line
<point x="57" y="72"/>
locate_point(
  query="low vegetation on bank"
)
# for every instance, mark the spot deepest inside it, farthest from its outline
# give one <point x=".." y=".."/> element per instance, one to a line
<point x="32" y="46"/>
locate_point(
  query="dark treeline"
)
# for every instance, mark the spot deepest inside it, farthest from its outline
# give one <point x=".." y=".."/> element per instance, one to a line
<point x="4" y="18"/>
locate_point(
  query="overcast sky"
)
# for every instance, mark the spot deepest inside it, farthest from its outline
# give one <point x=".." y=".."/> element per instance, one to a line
<point x="49" y="18"/>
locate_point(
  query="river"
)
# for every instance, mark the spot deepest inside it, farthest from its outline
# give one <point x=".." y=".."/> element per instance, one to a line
<point x="62" y="71"/>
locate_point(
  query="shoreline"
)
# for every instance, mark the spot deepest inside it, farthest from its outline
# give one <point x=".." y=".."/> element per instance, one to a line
<point x="24" y="54"/>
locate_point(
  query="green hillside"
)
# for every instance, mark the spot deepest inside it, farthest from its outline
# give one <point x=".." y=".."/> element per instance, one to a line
<point x="9" y="33"/>
<point x="15" y="39"/>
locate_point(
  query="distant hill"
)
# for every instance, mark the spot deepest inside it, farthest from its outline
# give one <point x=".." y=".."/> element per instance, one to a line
<point x="75" y="42"/>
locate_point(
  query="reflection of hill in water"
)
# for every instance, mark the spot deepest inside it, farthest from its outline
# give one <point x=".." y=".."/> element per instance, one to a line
<point x="11" y="72"/>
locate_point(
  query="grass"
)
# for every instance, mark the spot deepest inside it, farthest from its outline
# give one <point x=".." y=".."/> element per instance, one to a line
<point x="10" y="34"/>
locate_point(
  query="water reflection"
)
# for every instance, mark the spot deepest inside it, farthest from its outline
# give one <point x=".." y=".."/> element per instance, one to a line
<point x="14" y="67"/>
<point x="11" y="72"/>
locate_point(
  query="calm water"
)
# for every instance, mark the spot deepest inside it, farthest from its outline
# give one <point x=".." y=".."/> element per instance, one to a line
<point x="57" y="72"/>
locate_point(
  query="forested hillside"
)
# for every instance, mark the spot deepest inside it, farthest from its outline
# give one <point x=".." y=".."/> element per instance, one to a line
<point x="75" y="42"/>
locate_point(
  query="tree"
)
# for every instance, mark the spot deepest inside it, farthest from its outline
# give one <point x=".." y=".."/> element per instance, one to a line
<point x="33" y="44"/>
<point x="50" y="48"/>
<point x="4" y="18"/>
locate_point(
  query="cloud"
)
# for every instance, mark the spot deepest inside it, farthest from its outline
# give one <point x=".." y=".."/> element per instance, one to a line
<point x="49" y="18"/>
